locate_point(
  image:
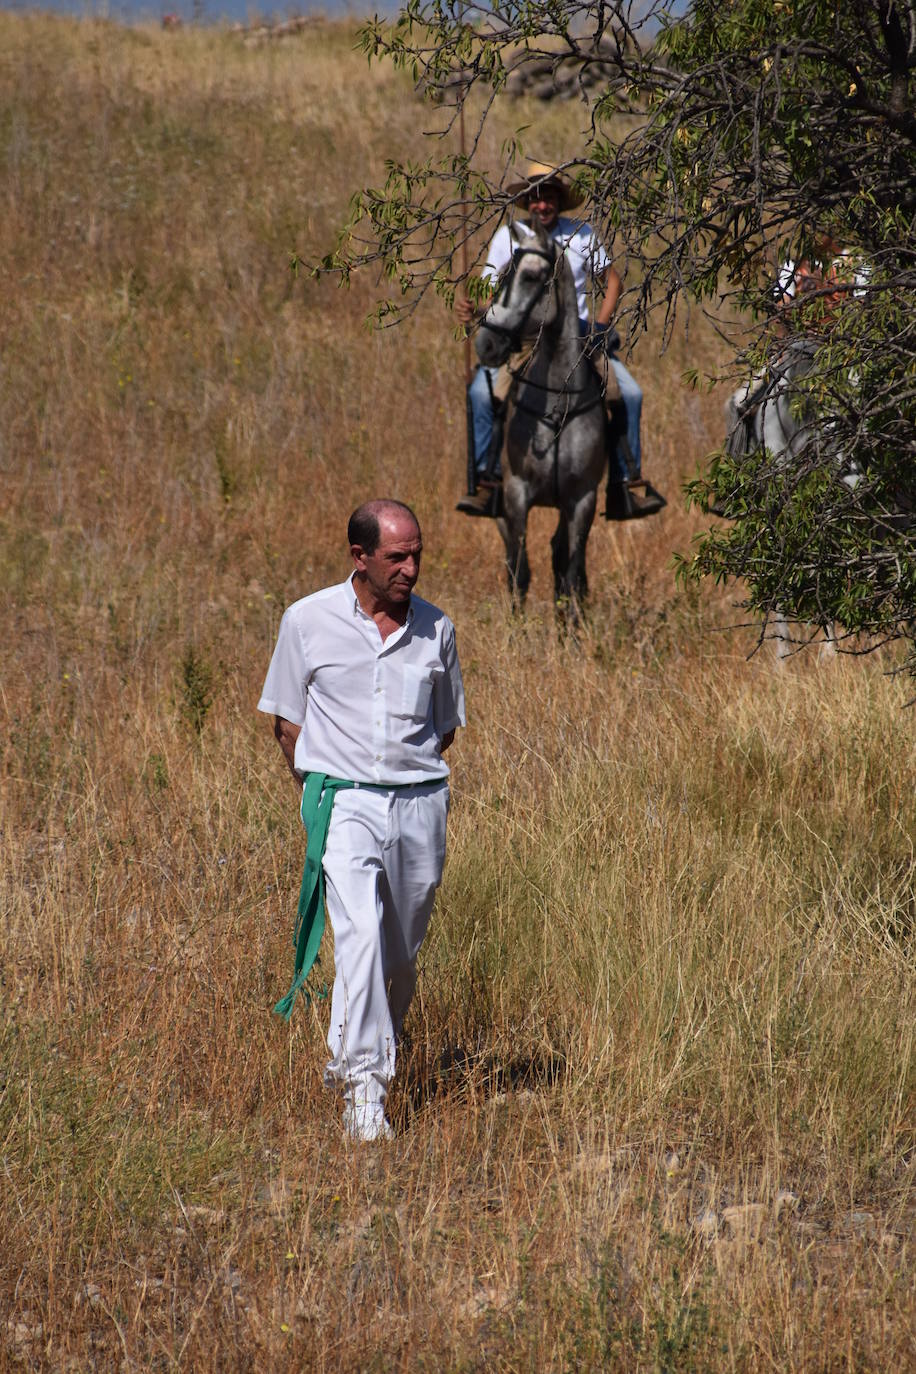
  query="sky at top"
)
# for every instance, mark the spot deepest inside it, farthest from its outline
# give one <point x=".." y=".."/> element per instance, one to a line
<point x="203" y="11"/>
<point x="217" y="11"/>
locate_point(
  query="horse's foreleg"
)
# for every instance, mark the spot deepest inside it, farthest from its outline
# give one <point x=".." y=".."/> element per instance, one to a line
<point x="782" y="638"/>
<point x="512" y="528"/>
<point x="573" y="584"/>
<point x="787" y="645"/>
<point x="518" y="572"/>
<point x="559" y="545"/>
<point x="827" y="649"/>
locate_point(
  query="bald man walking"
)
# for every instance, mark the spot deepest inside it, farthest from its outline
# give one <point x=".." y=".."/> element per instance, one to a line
<point x="366" y="692"/>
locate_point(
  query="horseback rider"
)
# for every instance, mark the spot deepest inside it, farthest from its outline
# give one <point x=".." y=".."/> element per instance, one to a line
<point x="546" y="196"/>
<point x="828" y="276"/>
<point x="805" y="294"/>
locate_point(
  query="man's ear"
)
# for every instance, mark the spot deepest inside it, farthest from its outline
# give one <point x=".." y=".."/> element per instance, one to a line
<point x="358" y="554"/>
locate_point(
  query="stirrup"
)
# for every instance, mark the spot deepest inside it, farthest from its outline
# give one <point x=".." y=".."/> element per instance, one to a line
<point x="625" y="502"/>
<point x="649" y="501"/>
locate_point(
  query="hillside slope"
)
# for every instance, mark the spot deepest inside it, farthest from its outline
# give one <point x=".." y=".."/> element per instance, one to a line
<point x="656" y="1110"/>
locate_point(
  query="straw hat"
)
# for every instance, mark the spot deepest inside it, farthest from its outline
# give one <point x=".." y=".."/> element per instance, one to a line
<point x="539" y="174"/>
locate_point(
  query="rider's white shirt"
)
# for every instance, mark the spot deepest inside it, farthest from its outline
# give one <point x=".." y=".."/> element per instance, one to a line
<point x="584" y="251"/>
<point x="845" y="267"/>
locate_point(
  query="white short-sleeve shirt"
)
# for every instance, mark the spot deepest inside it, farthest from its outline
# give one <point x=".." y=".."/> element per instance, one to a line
<point x="370" y="711"/>
<point x="584" y="251"/>
<point x="845" y="267"/>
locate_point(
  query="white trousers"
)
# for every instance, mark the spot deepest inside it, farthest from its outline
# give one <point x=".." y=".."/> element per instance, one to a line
<point x="382" y="865"/>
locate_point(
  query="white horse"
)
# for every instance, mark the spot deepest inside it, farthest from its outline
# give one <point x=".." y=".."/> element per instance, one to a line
<point x="772" y="413"/>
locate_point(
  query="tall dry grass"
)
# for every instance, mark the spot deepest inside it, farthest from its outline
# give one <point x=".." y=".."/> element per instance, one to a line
<point x="656" y="1107"/>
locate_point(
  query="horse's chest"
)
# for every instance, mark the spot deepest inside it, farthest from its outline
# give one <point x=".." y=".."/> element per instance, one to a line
<point x="544" y="439"/>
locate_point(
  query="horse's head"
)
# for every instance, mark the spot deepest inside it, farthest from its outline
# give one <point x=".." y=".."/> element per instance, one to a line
<point x="775" y="411"/>
<point x="525" y="303"/>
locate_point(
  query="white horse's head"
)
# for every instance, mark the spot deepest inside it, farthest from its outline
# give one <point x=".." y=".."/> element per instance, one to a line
<point x="526" y="300"/>
<point x="774" y="412"/>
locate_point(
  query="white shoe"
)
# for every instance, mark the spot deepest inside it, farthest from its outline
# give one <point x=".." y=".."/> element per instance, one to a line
<point x="366" y="1121"/>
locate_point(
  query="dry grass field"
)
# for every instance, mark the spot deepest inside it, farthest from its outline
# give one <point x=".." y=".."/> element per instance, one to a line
<point x="656" y="1111"/>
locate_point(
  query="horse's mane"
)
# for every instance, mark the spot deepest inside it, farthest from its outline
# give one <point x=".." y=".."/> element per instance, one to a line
<point x="566" y="286"/>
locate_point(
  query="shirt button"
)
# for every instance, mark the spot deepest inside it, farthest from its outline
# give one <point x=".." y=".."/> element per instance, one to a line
<point x="378" y="758"/>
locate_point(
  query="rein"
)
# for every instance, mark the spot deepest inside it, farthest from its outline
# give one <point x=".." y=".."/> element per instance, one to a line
<point x="554" y="422"/>
<point x="505" y="291"/>
<point x="515" y="335"/>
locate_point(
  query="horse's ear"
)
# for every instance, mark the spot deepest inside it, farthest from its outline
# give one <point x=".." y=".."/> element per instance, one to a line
<point x="515" y="233"/>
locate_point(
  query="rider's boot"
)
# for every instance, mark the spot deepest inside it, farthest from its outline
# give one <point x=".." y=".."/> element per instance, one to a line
<point x="486" y="501"/>
<point x="488" y="498"/>
<point x="634" y="497"/>
<point x="632" y="500"/>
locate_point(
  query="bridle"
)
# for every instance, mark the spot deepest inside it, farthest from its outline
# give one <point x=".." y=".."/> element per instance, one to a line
<point x="503" y="295"/>
<point x="516" y="334"/>
<point x="557" y="420"/>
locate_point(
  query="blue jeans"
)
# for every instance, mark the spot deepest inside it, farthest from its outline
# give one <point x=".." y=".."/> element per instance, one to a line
<point x="482" y="411"/>
<point x="631" y="395"/>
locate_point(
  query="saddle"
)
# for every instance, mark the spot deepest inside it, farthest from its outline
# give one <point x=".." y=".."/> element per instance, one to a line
<point x="627" y="500"/>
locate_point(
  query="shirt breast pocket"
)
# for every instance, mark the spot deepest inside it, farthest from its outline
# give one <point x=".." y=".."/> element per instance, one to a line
<point x="417" y="693"/>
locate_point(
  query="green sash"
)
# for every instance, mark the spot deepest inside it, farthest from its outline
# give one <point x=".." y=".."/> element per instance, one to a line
<point x="317" y="804"/>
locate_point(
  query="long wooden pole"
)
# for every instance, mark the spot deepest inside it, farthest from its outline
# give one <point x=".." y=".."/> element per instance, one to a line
<point x="468" y="411"/>
<point x="464" y="252"/>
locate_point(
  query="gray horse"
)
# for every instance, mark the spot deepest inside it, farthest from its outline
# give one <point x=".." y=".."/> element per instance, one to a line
<point x="772" y="413"/>
<point x="555" y="440"/>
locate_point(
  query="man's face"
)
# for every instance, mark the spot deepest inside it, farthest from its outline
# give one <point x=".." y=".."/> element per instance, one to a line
<point x="392" y="570"/>
<point x="544" y="205"/>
